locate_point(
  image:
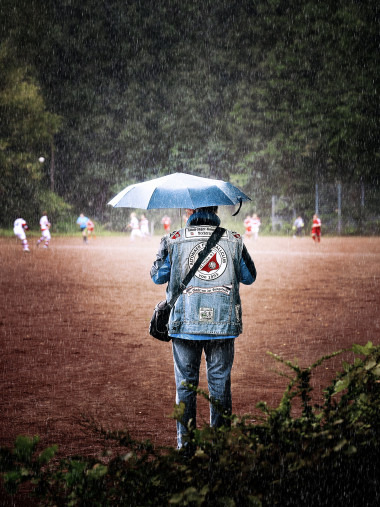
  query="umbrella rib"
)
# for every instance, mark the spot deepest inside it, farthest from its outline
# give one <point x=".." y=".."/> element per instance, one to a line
<point x="192" y="202"/>
<point x="231" y="202"/>
<point x="151" y="196"/>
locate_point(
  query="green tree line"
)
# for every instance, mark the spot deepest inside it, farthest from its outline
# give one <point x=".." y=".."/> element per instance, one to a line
<point x="273" y="95"/>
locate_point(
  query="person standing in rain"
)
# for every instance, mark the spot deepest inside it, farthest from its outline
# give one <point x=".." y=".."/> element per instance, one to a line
<point x="166" y="222"/>
<point x="298" y="227"/>
<point x="134" y="226"/>
<point x="45" y="230"/>
<point x="19" y="228"/>
<point x="207" y="316"/>
<point x="90" y="228"/>
<point x="316" y="229"/>
<point x="82" y="222"/>
<point x="255" y="223"/>
<point x="248" y="227"/>
<point x="144" y="227"/>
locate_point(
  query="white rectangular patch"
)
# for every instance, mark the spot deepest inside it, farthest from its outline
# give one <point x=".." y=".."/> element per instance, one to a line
<point x="206" y="314"/>
<point x="223" y="289"/>
<point x="201" y="231"/>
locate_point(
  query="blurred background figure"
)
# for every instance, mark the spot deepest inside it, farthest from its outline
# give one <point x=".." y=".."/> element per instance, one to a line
<point x="166" y="221"/>
<point x="19" y="228"/>
<point x="82" y="222"/>
<point x="144" y="227"/>
<point x="90" y="229"/>
<point x="255" y="223"/>
<point x="248" y="227"/>
<point x="134" y="226"/>
<point x="186" y="216"/>
<point x="316" y="229"/>
<point x="45" y="230"/>
<point x="298" y="227"/>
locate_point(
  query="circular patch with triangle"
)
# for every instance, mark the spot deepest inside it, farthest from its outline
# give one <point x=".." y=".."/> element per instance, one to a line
<point x="213" y="266"/>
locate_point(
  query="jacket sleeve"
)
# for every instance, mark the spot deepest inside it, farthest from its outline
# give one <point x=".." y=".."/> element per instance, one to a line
<point x="247" y="268"/>
<point x="160" y="270"/>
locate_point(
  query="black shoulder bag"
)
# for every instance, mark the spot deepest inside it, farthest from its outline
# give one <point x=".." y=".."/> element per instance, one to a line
<point x="158" y="327"/>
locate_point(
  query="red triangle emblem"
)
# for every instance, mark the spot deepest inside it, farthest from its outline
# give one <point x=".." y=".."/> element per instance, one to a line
<point x="211" y="265"/>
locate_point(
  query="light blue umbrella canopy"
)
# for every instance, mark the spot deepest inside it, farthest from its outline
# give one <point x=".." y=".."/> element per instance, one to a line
<point x="179" y="190"/>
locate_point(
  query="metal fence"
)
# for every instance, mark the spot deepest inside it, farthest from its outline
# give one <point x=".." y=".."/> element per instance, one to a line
<point x="343" y="208"/>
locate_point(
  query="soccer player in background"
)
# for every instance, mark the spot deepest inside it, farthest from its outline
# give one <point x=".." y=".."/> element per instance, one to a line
<point x="19" y="228"/>
<point x="82" y="222"/>
<point x="316" y="229"/>
<point x="45" y="230"/>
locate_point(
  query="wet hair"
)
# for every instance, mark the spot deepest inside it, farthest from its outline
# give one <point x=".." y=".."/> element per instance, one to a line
<point x="208" y="209"/>
<point x="203" y="216"/>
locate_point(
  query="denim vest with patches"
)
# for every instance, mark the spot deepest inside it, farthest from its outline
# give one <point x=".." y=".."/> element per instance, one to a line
<point x="210" y="304"/>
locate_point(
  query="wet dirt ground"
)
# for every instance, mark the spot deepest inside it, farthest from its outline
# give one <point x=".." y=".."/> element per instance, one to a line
<point x="74" y="333"/>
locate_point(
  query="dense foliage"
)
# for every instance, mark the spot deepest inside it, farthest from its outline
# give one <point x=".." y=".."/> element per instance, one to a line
<point x="326" y="455"/>
<point x="274" y="94"/>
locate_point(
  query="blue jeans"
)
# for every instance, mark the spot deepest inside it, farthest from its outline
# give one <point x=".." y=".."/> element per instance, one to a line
<point x="187" y="356"/>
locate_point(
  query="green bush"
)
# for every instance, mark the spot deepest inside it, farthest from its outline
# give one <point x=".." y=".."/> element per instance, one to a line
<point x="327" y="455"/>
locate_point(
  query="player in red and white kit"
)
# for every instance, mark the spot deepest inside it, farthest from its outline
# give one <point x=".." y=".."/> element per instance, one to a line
<point x="90" y="229"/>
<point x="45" y="232"/>
<point x="248" y="227"/>
<point x="255" y="224"/>
<point x="316" y="228"/>
<point x="166" y="221"/>
<point x="19" y="228"/>
<point x="144" y="227"/>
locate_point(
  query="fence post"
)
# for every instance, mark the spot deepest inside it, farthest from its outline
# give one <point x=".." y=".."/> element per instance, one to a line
<point x="316" y="199"/>
<point x="273" y="211"/>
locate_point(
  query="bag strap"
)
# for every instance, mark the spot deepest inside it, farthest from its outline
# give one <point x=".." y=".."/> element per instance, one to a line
<point x="212" y="241"/>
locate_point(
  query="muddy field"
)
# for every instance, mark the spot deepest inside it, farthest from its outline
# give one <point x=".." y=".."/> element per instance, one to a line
<point x="75" y="343"/>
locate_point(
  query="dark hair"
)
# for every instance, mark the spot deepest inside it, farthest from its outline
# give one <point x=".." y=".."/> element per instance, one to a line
<point x="208" y="209"/>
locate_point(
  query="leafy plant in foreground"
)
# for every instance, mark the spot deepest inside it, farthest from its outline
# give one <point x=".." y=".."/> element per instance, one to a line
<point x="328" y="455"/>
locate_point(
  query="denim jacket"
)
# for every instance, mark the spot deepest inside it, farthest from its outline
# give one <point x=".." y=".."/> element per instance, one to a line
<point x="210" y="305"/>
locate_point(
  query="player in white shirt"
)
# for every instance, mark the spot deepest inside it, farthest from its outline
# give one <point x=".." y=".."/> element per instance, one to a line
<point x="45" y="232"/>
<point x="19" y="228"/>
<point x="144" y="227"/>
<point x="134" y="226"/>
<point x="255" y="224"/>
<point x="298" y="226"/>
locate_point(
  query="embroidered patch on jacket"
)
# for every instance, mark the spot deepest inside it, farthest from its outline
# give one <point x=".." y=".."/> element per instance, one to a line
<point x="213" y="266"/>
<point x="222" y="289"/>
<point x="202" y="231"/>
<point x="236" y="235"/>
<point x="176" y="235"/>
<point x="206" y="314"/>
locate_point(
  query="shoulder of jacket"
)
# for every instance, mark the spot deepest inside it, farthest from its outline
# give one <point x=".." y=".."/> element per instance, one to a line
<point x="236" y="235"/>
<point x="164" y="241"/>
<point x="174" y="235"/>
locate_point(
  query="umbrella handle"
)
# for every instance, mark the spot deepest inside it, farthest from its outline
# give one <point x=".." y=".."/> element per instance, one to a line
<point x="240" y="203"/>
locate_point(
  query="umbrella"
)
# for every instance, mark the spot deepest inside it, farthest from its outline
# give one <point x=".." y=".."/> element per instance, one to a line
<point x="179" y="190"/>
